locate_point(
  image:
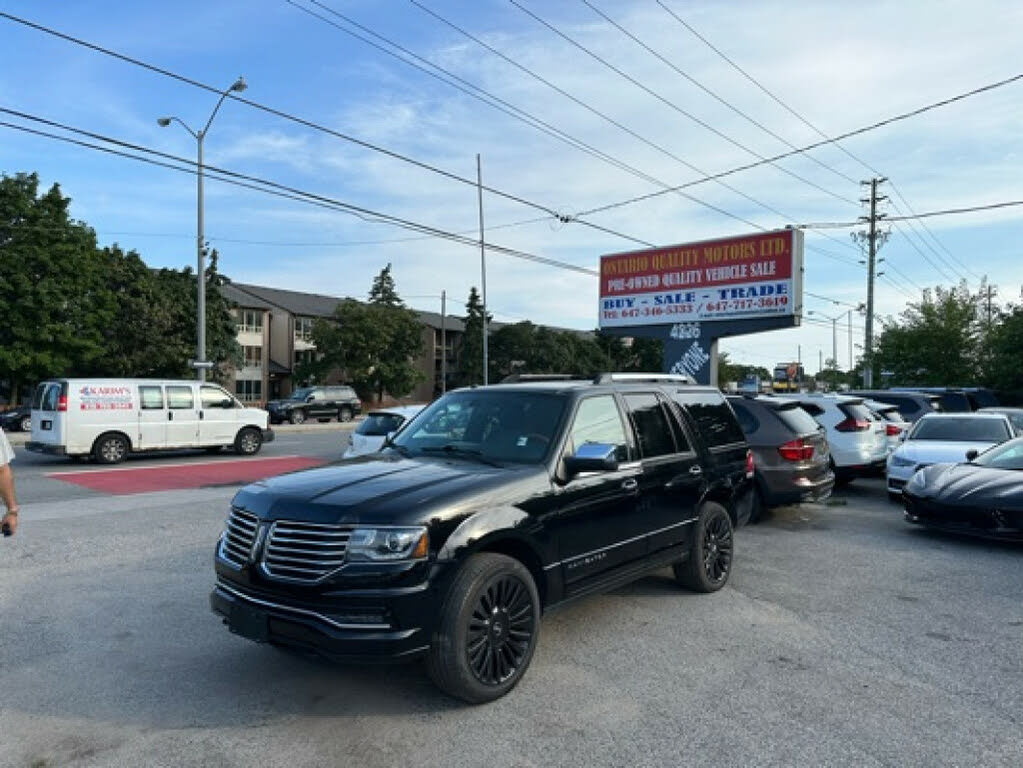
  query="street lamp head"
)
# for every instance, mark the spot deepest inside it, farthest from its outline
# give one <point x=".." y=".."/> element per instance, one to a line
<point x="163" y="122"/>
<point x="239" y="85"/>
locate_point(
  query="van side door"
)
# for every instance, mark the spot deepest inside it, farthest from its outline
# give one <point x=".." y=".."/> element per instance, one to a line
<point x="153" y="419"/>
<point x="182" y="416"/>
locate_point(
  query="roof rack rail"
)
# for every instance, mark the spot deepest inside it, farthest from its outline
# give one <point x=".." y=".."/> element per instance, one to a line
<point x="524" y="377"/>
<point x="644" y="378"/>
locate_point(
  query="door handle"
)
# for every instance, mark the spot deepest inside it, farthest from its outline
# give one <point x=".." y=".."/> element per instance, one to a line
<point x="696" y="469"/>
<point x="202" y="414"/>
<point x="170" y="415"/>
<point x="630" y="485"/>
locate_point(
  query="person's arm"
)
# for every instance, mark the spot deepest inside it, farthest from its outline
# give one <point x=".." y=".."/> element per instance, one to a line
<point x="10" y="517"/>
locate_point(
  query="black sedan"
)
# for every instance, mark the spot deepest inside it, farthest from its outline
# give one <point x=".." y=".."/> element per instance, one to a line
<point x="15" y="419"/>
<point x="982" y="497"/>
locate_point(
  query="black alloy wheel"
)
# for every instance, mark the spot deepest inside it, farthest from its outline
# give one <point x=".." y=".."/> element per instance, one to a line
<point x="500" y="631"/>
<point x="488" y="629"/>
<point x="711" y="551"/>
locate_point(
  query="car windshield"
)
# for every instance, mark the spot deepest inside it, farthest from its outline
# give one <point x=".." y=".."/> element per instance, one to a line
<point x="379" y="424"/>
<point x="1006" y="456"/>
<point x="960" y="430"/>
<point x="301" y="394"/>
<point x="491" y="425"/>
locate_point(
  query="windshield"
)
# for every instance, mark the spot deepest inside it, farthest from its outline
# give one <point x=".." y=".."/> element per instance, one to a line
<point x="300" y="394"/>
<point x="1006" y="456"/>
<point x="960" y="430"/>
<point x="380" y="424"/>
<point x="509" y="426"/>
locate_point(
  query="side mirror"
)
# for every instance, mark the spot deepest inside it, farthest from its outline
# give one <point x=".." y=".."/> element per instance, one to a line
<point x="309" y="398"/>
<point x="592" y="457"/>
<point x="227" y="403"/>
<point x="972" y="454"/>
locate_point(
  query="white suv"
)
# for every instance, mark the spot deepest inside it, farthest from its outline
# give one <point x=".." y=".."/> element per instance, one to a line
<point x="859" y="444"/>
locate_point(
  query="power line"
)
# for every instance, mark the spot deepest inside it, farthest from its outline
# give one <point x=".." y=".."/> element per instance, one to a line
<point x="929" y="232"/>
<point x="302" y="121"/>
<point x="668" y="102"/>
<point x="280" y="190"/>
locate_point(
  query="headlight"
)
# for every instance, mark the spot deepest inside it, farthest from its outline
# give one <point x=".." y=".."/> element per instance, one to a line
<point x="901" y="461"/>
<point x="917" y="480"/>
<point x="387" y="544"/>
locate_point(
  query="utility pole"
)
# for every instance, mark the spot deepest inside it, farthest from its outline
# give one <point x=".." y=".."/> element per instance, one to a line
<point x="848" y="320"/>
<point x="443" y="343"/>
<point x="872" y="237"/>
<point x="483" y="267"/>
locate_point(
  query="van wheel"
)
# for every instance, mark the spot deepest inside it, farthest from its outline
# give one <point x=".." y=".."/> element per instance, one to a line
<point x="110" y="449"/>
<point x="297" y="417"/>
<point x="345" y="414"/>
<point x="248" y="442"/>
<point x="710" y="554"/>
<point x="487" y="631"/>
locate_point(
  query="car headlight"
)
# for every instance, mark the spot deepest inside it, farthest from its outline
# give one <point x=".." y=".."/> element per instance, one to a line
<point x="901" y="461"/>
<point x="387" y="544"/>
<point x="917" y="480"/>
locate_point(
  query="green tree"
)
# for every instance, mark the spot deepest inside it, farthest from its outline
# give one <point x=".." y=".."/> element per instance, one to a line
<point x="470" y="358"/>
<point x="729" y="371"/>
<point x="647" y="355"/>
<point x="1003" y="351"/>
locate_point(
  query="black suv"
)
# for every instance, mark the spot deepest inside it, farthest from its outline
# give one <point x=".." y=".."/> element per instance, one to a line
<point x="323" y="403"/>
<point x="492" y="506"/>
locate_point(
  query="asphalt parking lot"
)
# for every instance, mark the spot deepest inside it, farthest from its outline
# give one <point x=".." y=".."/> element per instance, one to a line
<point x="845" y="637"/>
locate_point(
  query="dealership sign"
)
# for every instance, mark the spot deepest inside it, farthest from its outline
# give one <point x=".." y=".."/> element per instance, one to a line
<point x="736" y="278"/>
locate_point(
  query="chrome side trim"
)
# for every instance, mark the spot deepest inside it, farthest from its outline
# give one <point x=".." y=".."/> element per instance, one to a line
<point x="621" y="543"/>
<point x="301" y="611"/>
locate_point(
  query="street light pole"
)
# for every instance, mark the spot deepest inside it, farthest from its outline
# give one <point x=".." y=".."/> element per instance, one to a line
<point x="200" y="301"/>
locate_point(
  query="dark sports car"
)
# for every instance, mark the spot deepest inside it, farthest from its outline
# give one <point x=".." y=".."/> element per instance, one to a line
<point x="982" y="497"/>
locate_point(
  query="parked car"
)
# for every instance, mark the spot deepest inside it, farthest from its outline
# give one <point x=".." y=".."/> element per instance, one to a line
<point x="960" y="399"/>
<point x="110" y="418"/>
<point x="858" y="442"/>
<point x="981" y="497"/>
<point x="322" y="403"/>
<point x="941" y="438"/>
<point x="493" y="506"/>
<point x="894" y="423"/>
<point x="912" y="405"/>
<point x="370" y="435"/>
<point x="1015" y="416"/>
<point x="17" y="419"/>
<point x="790" y="452"/>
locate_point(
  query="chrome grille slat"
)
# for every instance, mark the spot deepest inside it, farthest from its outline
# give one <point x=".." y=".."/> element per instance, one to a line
<point x="305" y="551"/>
<point x="239" y="535"/>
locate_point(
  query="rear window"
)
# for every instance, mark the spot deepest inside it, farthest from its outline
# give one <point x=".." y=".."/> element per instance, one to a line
<point x="798" y="420"/>
<point x="46" y="396"/>
<point x="713" y="416"/>
<point x="857" y="411"/>
<point x="961" y="430"/>
<point x="747" y="421"/>
<point x="379" y="424"/>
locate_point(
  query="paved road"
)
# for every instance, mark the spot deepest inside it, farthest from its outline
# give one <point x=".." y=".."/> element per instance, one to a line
<point x="844" y="638"/>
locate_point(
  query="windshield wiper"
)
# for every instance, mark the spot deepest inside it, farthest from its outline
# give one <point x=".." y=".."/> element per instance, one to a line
<point x="454" y="449"/>
<point x="402" y="449"/>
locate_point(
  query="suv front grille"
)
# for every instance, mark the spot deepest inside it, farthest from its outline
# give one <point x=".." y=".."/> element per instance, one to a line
<point x="305" y="551"/>
<point x="239" y="535"/>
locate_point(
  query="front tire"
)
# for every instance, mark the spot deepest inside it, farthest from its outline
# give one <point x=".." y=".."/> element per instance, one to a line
<point x="248" y="442"/>
<point x="710" y="554"/>
<point x="487" y="631"/>
<point x="297" y="417"/>
<point x="26" y="424"/>
<point x="110" y="449"/>
<point x="345" y="414"/>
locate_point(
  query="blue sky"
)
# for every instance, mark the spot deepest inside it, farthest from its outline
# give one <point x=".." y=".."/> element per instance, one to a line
<point x="838" y="66"/>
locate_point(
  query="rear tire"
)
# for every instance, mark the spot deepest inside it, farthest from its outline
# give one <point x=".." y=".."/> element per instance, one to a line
<point x="248" y="442"/>
<point x="110" y="449"/>
<point x="487" y="631"/>
<point x="710" y="554"/>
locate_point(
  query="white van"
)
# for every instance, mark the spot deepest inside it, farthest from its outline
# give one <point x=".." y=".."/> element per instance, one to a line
<point x="110" y="418"/>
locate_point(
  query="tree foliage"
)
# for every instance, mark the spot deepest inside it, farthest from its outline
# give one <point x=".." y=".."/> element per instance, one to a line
<point x="71" y="308"/>
<point x="470" y="358"/>
<point x="375" y="344"/>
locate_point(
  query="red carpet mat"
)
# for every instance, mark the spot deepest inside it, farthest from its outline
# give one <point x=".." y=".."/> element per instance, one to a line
<point x="182" y="476"/>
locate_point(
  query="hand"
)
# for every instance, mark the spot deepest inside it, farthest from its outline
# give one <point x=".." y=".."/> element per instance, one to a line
<point x="10" y="523"/>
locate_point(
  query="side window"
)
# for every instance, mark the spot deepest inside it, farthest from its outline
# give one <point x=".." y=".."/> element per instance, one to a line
<point x="151" y="398"/>
<point x="318" y="394"/>
<point x="714" y="419"/>
<point x="179" y="397"/>
<point x="652" y="429"/>
<point x="598" y="420"/>
<point x="747" y="421"/>
<point x="213" y="397"/>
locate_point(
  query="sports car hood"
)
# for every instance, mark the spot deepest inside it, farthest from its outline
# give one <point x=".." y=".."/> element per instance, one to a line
<point x="384" y="489"/>
<point x="971" y="485"/>
<point x="937" y="451"/>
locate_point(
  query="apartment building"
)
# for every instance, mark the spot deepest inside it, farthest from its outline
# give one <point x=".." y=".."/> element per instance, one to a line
<point x="275" y="333"/>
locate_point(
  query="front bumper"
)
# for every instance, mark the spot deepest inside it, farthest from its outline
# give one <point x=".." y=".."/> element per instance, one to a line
<point x="980" y="522"/>
<point x="896" y="477"/>
<point x="268" y="435"/>
<point x="388" y="626"/>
